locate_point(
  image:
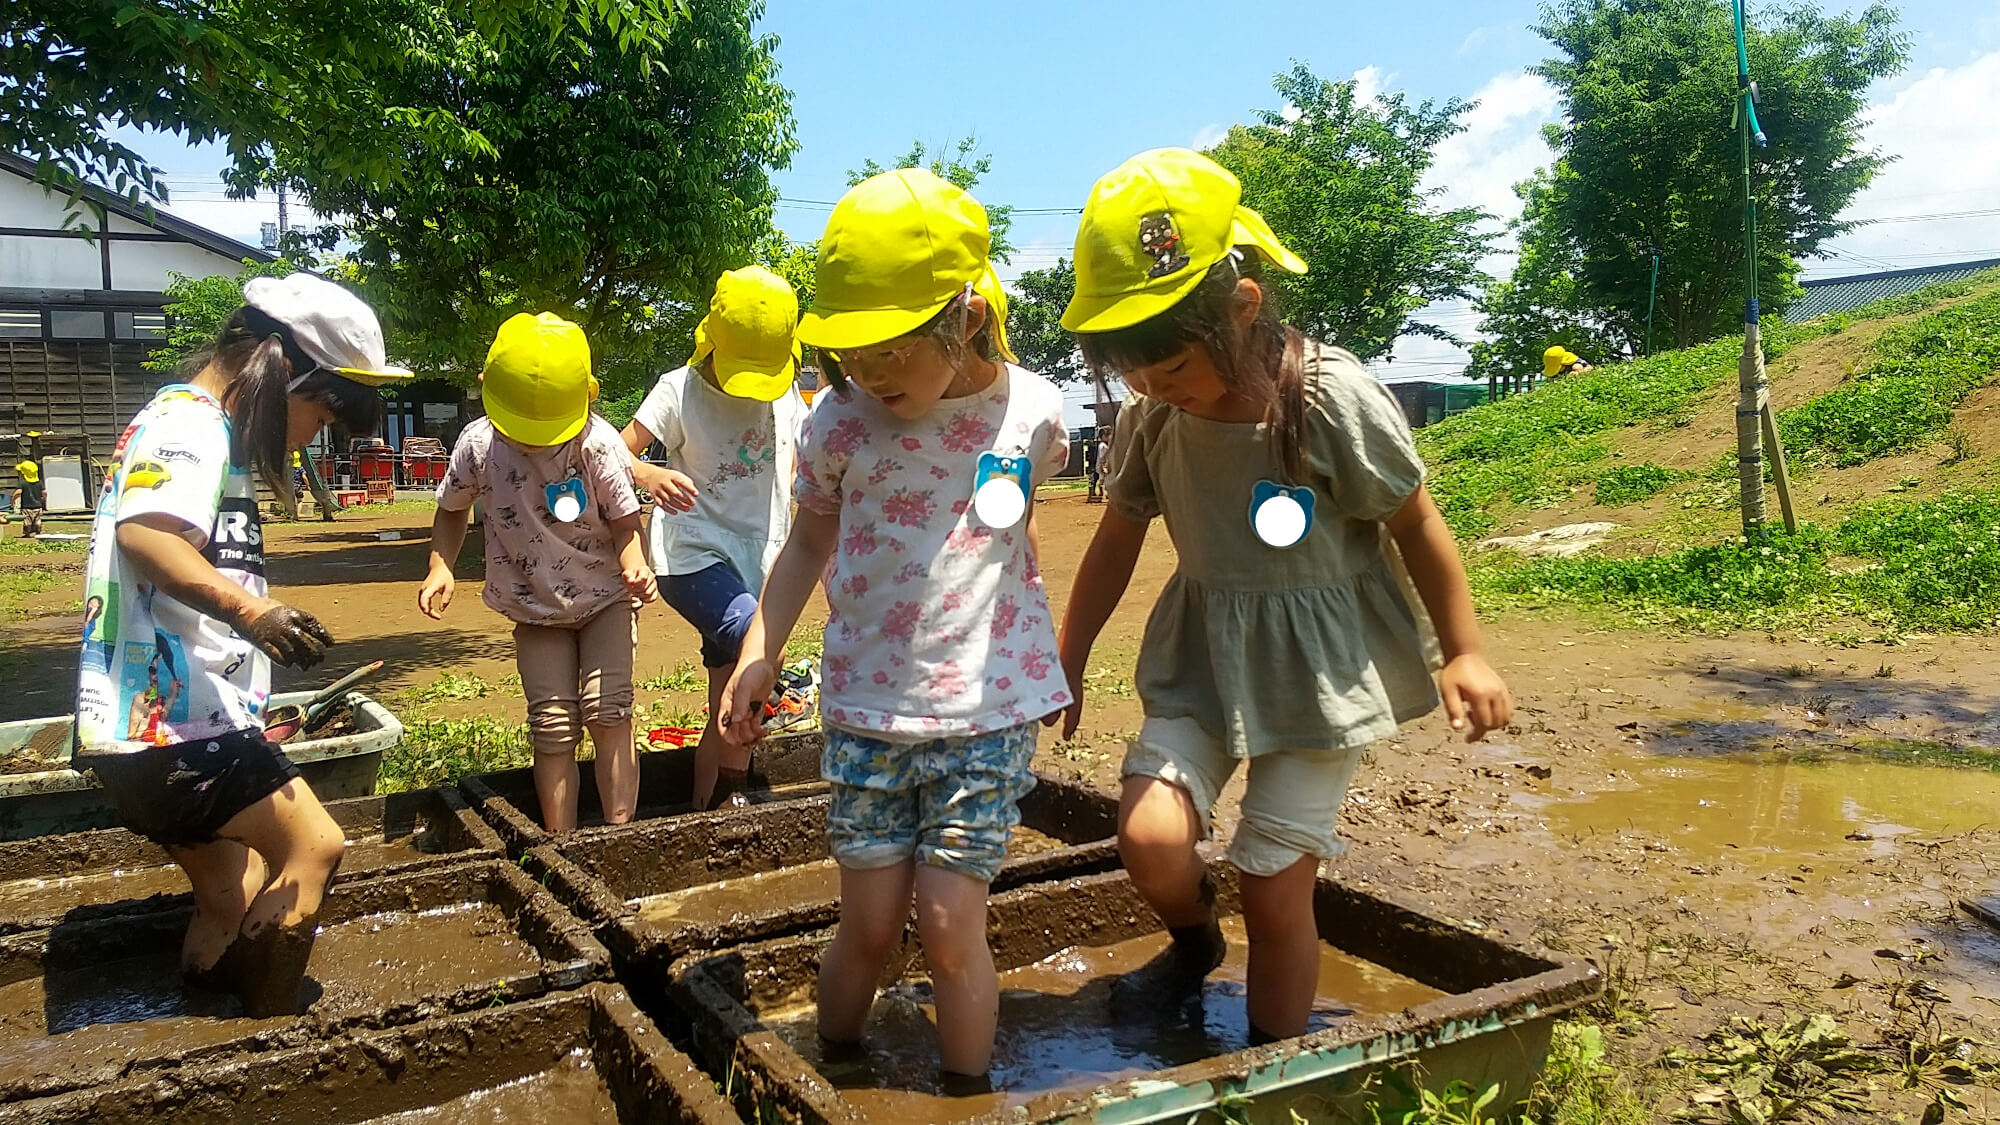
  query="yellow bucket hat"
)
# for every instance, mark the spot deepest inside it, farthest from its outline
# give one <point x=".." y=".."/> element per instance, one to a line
<point x="898" y="248"/>
<point x="1152" y="228"/>
<point x="537" y="385"/>
<point x="749" y="330"/>
<point x="1555" y="359"/>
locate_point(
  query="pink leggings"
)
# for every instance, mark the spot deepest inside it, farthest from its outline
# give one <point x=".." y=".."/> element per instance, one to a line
<point x="576" y="676"/>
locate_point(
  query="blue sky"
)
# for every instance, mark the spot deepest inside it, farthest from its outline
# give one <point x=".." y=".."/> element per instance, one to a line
<point x="1059" y="93"/>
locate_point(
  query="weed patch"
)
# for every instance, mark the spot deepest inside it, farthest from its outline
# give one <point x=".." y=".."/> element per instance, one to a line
<point x="685" y="677"/>
<point x="440" y="751"/>
<point x="1578" y="1087"/>
<point x="449" y="686"/>
<point x="19" y="584"/>
<point x="1629" y="484"/>
<point x="1752" y="1072"/>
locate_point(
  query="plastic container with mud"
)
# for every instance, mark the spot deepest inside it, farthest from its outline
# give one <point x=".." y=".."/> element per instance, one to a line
<point x="1398" y="984"/>
<point x="50" y="879"/>
<point x="656" y="890"/>
<point x="41" y="796"/>
<point x="102" y="999"/>
<point x="580" y="1058"/>
<point x="781" y="768"/>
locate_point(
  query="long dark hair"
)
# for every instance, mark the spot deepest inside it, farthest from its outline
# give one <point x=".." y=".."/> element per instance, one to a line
<point x="947" y="325"/>
<point x="259" y="358"/>
<point x="1264" y="362"/>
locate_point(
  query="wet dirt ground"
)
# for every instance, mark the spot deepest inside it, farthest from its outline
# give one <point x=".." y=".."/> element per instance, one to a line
<point x="1745" y="825"/>
<point x="569" y="1092"/>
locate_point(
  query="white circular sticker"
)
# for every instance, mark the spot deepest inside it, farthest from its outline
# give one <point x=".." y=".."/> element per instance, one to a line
<point x="567" y="508"/>
<point x="1280" y="521"/>
<point x="1000" y="502"/>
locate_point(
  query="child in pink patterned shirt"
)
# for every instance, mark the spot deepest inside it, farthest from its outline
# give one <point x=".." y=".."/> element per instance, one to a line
<point x="915" y="502"/>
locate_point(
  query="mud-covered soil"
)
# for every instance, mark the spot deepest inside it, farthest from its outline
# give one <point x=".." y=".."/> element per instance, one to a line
<point x="1731" y="826"/>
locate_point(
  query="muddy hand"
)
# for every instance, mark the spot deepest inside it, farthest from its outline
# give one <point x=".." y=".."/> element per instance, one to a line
<point x="291" y="637"/>
<point x="1475" y="697"/>
<point x="743" y="702"/>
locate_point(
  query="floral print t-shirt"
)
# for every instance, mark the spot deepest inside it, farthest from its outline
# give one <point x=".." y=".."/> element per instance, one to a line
<point x="938" y="624"/>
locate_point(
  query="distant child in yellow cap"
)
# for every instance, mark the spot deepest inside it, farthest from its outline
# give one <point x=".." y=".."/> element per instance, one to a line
<point x="1284" y="636"/>
<point x="729" y="423"/>
<point x="915" y="499"/>
<point x="563" y="557"/>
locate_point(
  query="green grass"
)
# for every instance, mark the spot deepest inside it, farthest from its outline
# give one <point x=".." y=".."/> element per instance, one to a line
<point x="1902" y="566"/>
<point x="449" y="686"/>
<point x="806" y="643"/>
<point x="685" y="677"/>
<point x="1629" y="484"/>
<point x="440" y="751"/>
<point x="1577" y="1087"/>
<point x="20" y="583"/>
<point x="1906" y="394"/>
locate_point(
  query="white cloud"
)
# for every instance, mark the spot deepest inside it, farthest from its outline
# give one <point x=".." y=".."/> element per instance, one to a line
<point x="1369" y="82"/>
<point x="1208" y="136"/>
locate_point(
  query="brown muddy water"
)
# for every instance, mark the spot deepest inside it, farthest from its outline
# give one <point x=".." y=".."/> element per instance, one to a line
<point x="786" y="888"/>
<point x="569" y="1092"/>
<point x="138" y="1004"/>
<point x="1062" y="1029"/>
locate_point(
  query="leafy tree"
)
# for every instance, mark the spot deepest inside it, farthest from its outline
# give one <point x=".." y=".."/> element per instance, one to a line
<point x="320" y="79"/>
<point x="793" y="261"/>
<point x="1648" y="156"/>
<point x="623" y="178"/>
<point x="197" y="306"/>
<point x="1034" y="323"/>
<point x="1538" y="305"/>
<point x="959" y="166"/>
<point x="1340" y="180"/>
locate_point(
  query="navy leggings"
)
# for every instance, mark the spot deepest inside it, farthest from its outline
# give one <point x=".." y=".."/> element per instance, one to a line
<point x="718" y="605"/>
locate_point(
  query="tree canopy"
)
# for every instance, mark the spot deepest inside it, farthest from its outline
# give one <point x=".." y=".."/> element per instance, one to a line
<point x="1339" y="178"/>
<point x="961" y="165"/>
<point x="197" y="306"/>
<point x="1034" y="323"/>
<point x="1648" y="158"/>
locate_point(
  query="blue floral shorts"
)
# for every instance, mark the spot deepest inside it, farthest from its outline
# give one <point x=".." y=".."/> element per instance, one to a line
<point x="948" y="802"/>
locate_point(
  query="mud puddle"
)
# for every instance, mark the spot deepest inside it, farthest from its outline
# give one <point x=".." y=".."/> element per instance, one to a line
<point x="137" y="1005"/>
<point x="568" y="1092"/>
<point x="787" y="888"/>
<point x="1065" y="1028"/>
<point x="46" y="898"/>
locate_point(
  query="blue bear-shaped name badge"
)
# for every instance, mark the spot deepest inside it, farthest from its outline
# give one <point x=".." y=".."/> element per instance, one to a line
<point x="1280" y="516"/>
<point x="567" y="499"/>
<point x="1000" y="490"/>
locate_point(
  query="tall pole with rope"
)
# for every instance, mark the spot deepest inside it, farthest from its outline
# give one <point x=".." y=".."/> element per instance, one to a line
<point x="1756" y="426"/>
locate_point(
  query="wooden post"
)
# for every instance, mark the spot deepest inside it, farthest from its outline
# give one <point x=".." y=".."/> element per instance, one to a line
<point x="1749" y="443"/>
<point x="1779" y="473"/>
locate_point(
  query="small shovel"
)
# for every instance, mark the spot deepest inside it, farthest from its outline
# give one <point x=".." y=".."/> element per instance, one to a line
<point x="285" y="723"/>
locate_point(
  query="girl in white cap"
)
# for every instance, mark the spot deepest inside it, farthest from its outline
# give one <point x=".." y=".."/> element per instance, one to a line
<point x="1284" y="636"/>
<point x="176" y="664"/>
<point x="729" y="423"/>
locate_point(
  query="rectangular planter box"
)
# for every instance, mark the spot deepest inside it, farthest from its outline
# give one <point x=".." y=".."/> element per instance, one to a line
<point x="98" y="1000"/>
<point x="62" y="800"/>
<point x="574" y="1058"/>
<point x="506" y="798"/>
<point x="50" y="879"/>
<point x="1488" y="1020"/>
<point x="780" y="879"/>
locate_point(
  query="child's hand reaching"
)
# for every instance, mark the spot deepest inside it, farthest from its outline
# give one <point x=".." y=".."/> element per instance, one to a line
<point x="640" y="583"/>
<point x="1475" y="698"/>
<point x="671" y="488"/>
<point x="743" y="701"/>
<point x="435" y="597"/>
<point x="1071" y="715"/>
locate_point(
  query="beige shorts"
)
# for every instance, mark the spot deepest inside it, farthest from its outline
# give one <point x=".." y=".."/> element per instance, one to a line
<point x="576" y="676"/>
<point x="1291" y="805"/>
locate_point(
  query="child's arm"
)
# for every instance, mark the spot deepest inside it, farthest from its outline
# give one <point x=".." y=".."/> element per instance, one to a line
<point x="797" y="570"/>
<point x="1100" y="582"/>
<point x="447" y="539"/>
<point x="1475" y="698"/>
<point x="638" y="576"/>
<point x="671" y="487"/>
<point x="162" y="556"/>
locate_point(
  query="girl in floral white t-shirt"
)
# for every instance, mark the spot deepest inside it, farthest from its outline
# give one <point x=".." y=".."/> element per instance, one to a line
<point x="915" y="484"/>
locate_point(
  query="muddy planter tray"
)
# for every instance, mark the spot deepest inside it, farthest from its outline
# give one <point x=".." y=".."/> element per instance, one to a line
<point x="581" y="1058"/>
<point x="781" y="768"/>
<point x="96" y="1000"/>
<point x="654" y="891"/>
<point x="51" y="879"/>
<point x="1402" y="985"/>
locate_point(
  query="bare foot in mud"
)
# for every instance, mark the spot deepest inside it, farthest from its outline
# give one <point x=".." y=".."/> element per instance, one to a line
<point x="274" y="968"/>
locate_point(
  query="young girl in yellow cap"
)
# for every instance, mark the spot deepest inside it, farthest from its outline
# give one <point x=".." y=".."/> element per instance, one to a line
<point x="729" y="423"/>
<point x="563" y="557"/>
<point x="1283" y="637"/>
<point x="916" y="478"/>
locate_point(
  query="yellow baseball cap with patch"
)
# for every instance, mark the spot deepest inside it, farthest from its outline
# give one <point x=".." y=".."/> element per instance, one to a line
<point x="750" y="330"/>
<point x="1151" y="230"/>
<point x="537" y="385"/>
<point x="898" y="248"/>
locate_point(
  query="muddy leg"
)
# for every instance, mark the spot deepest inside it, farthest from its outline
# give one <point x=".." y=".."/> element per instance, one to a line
<point x="617" y="771"/>
<point x="301" y="847"/>
<point x="720" y="769"/>
<point x="227" y="877"/>
<point x="1284" y="948"/>
<point x="874" y="905"/>
<point x="951" y="920"/>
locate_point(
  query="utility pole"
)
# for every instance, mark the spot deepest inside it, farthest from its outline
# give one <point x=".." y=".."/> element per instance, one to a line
<point x="1755" y="424"/>
<point x="284" y="220"/>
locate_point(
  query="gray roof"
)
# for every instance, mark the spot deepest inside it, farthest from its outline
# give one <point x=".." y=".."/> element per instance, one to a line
<point x="1842" y="294"/>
